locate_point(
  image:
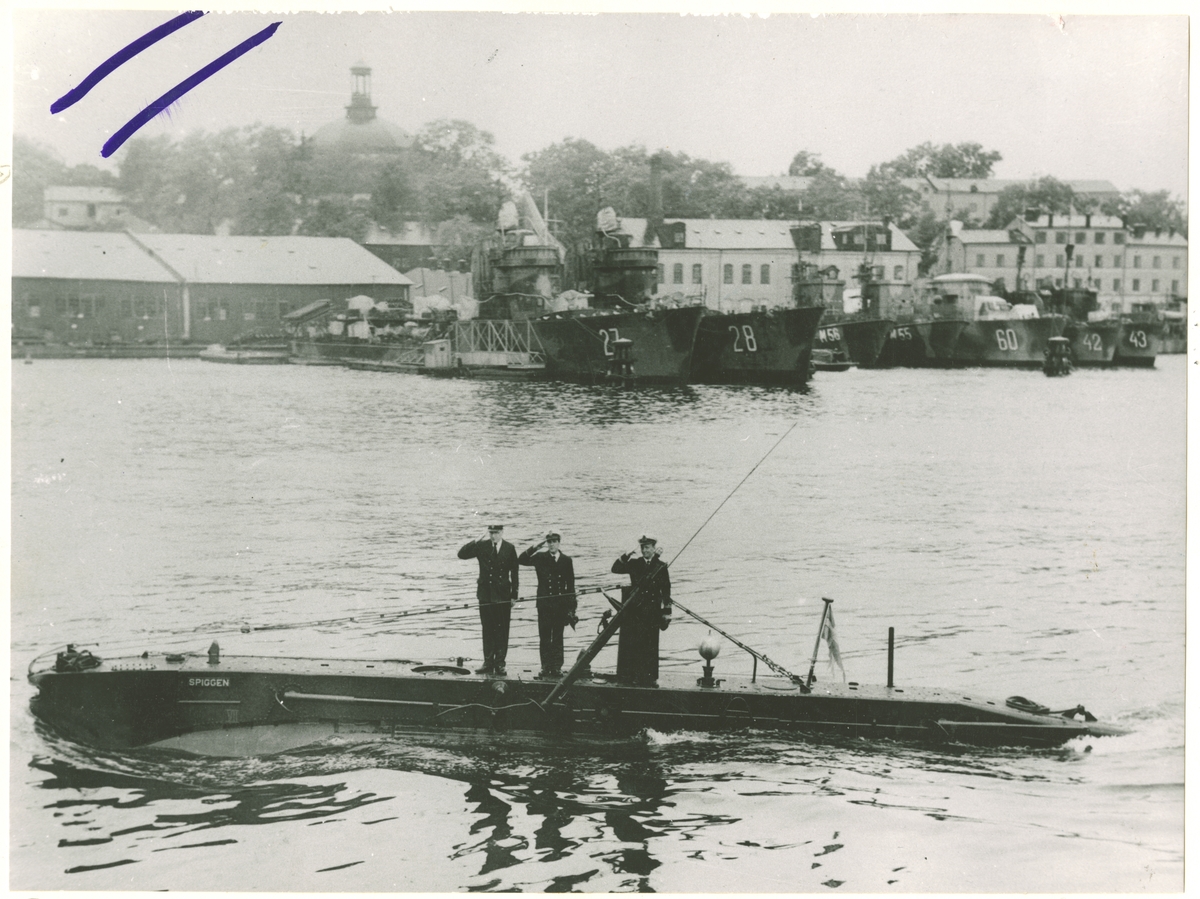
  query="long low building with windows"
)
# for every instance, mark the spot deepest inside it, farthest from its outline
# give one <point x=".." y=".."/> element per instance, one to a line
<point x="731" y="263"/>
<point x="118" y="287"/>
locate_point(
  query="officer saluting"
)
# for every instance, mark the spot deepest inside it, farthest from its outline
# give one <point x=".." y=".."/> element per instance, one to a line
<point x="650" y="592"/>
<point x="496" y="590"/>
<point x="556" y="600"/>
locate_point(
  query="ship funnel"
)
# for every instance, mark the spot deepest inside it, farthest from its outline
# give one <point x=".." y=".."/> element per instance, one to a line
<point x="655" y="220"/>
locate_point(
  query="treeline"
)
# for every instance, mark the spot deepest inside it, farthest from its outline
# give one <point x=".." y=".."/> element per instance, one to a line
<point x="264" y="180"/>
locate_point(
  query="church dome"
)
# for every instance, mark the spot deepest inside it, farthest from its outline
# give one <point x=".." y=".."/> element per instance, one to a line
<point x="360" y="131"/>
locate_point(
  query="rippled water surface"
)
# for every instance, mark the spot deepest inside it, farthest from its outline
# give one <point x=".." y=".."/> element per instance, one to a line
<point x="1024" y="535"/>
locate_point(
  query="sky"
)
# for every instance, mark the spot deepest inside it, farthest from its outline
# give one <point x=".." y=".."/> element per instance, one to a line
<point x="1081" y="97"/>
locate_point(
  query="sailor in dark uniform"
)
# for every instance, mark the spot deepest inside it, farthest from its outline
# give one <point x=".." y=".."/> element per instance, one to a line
<point x="496" y="590"/>
<point x="650" y="593"/>
<point x="556" y="602"/>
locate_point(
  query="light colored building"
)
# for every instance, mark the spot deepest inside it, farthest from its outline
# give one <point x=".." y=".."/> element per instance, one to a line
<point x="1125" y="268"/>
<point x="1156" y="268"/>
<point x="84" y="207"/>
<point x="734" y="263"/>
<point x="947" y="197"/>
<point x="998" y="255"/>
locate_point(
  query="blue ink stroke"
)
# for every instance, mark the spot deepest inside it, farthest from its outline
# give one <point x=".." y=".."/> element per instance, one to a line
<point x="163" y="103"/>
<point x="118" y="59"/>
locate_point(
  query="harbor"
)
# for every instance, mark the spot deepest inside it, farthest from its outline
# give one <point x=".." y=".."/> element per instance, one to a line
<point x="996" y="586"/>
<point x="597" y="313"/>
<point x="482" y="451"/>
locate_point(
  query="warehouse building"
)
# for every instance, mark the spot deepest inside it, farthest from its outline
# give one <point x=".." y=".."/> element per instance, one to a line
<point x="118" y="287"/>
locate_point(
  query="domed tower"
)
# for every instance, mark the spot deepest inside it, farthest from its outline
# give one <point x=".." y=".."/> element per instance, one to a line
<point x="361" y="131"/>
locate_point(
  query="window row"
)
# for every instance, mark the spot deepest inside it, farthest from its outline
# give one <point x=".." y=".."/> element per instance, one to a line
<point x="224" y="310"/>
<point x="1078" y="259"/>
<point x="1063" y="237"/>
<point x="1136" y="285"/>
<point x="729" y="271"/>
<point x="727" y="274"/>
<point x="92" y="306"/>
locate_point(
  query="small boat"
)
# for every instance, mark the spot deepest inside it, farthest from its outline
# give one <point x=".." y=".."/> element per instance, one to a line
<point x="222" y="705"/>
<point x="830" y="360"/>
<point x="246" y="355"/>
<point x="1058" y="357"/>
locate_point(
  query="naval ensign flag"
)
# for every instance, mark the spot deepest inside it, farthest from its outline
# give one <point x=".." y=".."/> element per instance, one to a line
<point x="830" y="635"/>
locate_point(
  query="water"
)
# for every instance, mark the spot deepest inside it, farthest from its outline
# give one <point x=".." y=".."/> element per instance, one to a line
<point x="1024" y="535"/>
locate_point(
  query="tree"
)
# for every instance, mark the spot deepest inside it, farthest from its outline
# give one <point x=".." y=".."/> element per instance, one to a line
<point x="336" y="217"/>
<point x="35" y="167"/>
<point x="771" y="202"/>
<point x="458" y="172"/>
<point x="190" y="186"/>
<point x="926" y="230"/>
<point x="965" y="160"/>
<point x="806" y="164"/>
<point x="697" y="188"/>
<point x="887" y="197"/>
<point x="456" y="239"/>
<point x="829" y="196"/>
<point x="581" y="179"/>
<point x="1155" y="210"/>
<point x="393" y="197"/>
<point x="1047" y="194"/>
<point x="268" y="197"/>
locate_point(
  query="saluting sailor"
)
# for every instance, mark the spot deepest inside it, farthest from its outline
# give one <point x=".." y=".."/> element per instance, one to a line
<point x="496" y="591"/>
<point x="556" y="600"/>
<point x="650" y="593"/>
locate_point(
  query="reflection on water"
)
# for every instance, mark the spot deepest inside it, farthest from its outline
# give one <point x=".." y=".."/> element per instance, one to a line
<point x="609" y="811"/>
